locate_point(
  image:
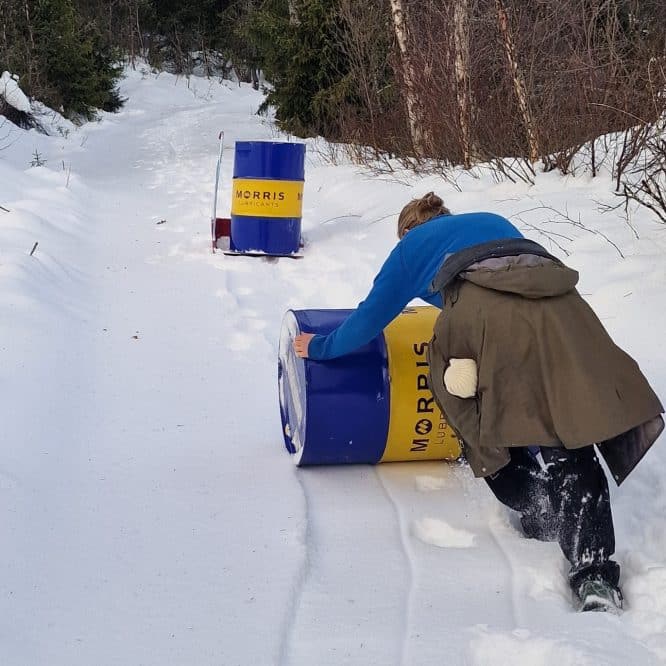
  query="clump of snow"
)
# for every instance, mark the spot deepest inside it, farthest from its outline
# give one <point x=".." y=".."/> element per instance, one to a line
<point x="439" y="533"/>
<point x="12" y="93"/>
<point x="430" y="483"/>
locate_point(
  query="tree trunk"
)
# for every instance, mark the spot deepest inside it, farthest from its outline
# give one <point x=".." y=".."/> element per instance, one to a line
<point x="29" y="24"/>
<point x="518" y="81"/>
<point x="130" y="31"/>
<point x="293" y="13"/>
<point x="415" y="129"/>
<point x="139" y="33"/>
<point x="461" y="67"/>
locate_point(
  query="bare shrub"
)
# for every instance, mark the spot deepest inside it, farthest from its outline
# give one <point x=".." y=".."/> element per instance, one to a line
<point x="374" y="124"/>
<point x="645" y="181"/>
<point x="498" y="79"/>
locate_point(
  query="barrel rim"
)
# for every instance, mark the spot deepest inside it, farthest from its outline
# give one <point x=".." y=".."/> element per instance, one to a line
<point x="271" y="143"/>
<point x="289" y="328"/>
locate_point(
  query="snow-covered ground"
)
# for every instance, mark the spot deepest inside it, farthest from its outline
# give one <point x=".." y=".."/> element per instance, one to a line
<point x="150" y="513"/>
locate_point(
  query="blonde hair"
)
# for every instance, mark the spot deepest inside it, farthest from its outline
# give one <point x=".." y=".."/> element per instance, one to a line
<point x="418" y="211"/>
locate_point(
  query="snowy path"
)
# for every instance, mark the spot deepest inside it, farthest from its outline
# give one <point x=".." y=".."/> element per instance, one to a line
<point x="349" y="538"/>
<point x="151" y="515"/>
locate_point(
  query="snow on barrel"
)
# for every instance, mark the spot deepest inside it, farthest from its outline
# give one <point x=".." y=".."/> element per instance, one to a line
<point x="370" y="406"/>
<point x="267" y="196"/>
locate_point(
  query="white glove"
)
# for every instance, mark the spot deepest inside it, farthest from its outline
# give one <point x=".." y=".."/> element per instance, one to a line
<point x="460" y="378"/>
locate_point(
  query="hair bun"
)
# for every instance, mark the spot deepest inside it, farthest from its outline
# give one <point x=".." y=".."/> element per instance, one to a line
<point x="418" y="211"/>
<point x="431" y="201"/>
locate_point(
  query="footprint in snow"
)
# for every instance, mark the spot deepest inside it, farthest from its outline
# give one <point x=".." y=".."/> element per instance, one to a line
<point x="438" y="533"/>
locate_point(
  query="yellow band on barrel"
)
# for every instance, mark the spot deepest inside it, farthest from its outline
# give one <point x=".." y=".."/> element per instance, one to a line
<point x="267" y="198"/>
<point x="417" y="428"/>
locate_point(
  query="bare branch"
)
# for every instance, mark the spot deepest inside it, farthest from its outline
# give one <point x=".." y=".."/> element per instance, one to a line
<point x="565" y="218"/>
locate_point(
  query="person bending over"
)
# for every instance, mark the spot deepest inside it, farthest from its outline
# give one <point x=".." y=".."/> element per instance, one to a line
<point x="549" y="382"/>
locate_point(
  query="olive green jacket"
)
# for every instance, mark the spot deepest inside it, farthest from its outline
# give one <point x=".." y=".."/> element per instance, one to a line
<point x="548" y="372"/>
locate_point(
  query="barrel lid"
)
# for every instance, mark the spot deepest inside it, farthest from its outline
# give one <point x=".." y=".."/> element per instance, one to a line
<point x="292" y="388"/>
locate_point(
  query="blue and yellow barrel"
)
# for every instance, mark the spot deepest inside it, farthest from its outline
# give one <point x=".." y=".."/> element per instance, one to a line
<point x="370" y="406"/>
<point x="267" y="196"/>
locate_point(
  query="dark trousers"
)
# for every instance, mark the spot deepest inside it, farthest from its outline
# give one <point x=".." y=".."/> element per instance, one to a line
<point x="567" y="502"/>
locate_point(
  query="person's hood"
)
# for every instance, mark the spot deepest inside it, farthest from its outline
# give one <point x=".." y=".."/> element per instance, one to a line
<point x="527" y="275"/>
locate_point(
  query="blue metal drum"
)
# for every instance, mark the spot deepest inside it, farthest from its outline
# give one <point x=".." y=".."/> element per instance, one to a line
<point x="342" y="404"/>
<point x="367" y="407"/>
<point x="267" y="196"/>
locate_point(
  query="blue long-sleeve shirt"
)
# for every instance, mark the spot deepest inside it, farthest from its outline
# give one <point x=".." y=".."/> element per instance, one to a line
<point x="407" y="274"/>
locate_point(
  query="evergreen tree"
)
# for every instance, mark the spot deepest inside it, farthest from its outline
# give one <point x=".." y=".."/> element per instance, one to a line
<point x="81" y="74"/>
<point x="301" y="57"/>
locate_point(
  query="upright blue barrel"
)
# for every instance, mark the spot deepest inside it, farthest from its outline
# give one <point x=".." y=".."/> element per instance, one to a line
<point x="373" y="405"/>
<point x="267" y="196"/>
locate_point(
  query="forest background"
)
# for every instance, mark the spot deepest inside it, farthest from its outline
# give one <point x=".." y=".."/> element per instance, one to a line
<point x="518" y="85"/>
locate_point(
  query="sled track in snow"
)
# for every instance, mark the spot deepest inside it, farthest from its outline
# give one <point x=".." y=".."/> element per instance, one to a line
<point x="404" y="535"/>
<point x="289" y="626"/>
<point x="516" y="614"/>
<point x="348" y="599"/>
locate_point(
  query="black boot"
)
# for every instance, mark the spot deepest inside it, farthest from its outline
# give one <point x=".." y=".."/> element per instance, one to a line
<point x="598" y="594"/>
